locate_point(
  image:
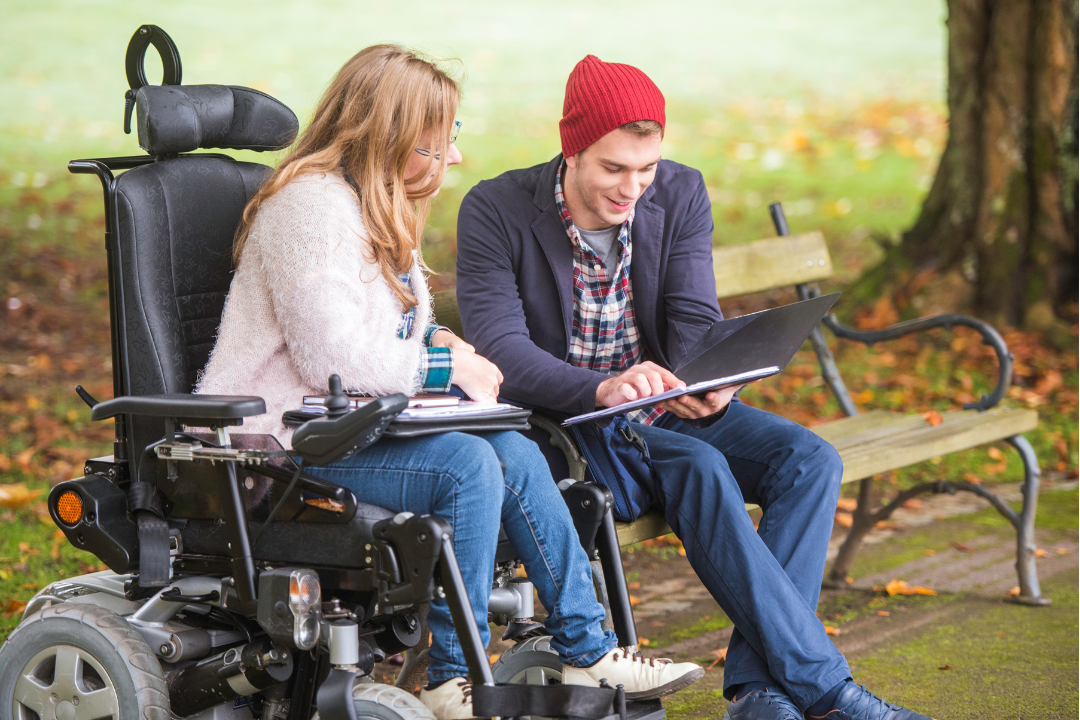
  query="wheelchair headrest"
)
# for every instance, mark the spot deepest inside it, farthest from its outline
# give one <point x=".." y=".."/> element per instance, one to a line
<point x="181" y="118"/>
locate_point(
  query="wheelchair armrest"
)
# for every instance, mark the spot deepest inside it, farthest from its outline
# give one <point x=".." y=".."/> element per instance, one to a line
<point x="182" y="407"/>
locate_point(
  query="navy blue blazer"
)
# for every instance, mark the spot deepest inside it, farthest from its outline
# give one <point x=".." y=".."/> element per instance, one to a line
<point x="515" y="274"/>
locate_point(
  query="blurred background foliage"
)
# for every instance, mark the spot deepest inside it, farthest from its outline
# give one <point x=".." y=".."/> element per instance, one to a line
<point x="835" y="107"/>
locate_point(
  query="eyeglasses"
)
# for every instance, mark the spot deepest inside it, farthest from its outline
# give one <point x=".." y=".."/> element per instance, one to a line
<point x="453" y="138"/>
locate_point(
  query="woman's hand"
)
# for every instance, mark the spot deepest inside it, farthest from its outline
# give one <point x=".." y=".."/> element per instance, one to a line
<point x="445" y="338"/>
<point x="475" y="374"/>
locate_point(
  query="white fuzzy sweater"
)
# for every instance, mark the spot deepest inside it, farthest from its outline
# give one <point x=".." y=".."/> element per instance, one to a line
<point x="308" y="300"/>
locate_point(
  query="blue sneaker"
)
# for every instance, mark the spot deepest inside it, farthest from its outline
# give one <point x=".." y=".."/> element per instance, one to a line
<point x="763" y="705"/>
<point x="855" y="702"/>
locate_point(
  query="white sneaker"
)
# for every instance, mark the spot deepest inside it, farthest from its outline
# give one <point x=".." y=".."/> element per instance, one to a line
<point x="642" y="678"/>
<point x="449" y="701"/>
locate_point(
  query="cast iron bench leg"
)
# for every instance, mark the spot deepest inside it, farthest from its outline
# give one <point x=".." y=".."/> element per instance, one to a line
<point x="1025" y="528"/>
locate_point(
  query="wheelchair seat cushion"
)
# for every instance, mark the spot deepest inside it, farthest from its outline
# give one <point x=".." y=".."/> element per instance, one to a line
<point x="180" y="118"/>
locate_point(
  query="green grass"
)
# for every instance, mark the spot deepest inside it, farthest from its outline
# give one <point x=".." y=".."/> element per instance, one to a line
<point x="1005" y="661"/>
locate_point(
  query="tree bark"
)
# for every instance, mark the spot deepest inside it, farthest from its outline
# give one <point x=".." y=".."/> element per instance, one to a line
<point x="1003" y="202"/>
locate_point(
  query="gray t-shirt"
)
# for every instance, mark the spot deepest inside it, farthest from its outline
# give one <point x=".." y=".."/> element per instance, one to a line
<point x="605" y="244"/>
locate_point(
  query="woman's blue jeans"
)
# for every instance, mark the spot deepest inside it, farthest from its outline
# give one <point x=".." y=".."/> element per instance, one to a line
<point x="459" y="477"/>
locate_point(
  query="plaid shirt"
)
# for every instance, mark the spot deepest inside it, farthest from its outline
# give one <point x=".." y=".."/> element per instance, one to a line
<point x="604" y="336"/>
<point x="436" y="363"/>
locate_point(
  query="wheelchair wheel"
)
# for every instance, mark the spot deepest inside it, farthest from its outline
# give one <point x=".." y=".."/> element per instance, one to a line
<point x="529" y="662"/>
<point x="386" y="702"/>
<point x="80" y="662"/>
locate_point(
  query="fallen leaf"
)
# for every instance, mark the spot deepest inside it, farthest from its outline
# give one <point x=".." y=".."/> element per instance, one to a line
<point x="944" y="667"/>
<point x="17" y="495"/>
<point x="1039" y="552"/>
<point x="1002" y="633"/>
<point x="878" y="600"/>
<point x="13" y="607"/>
<point x="887" y="525"/>
<point x="900" y="587"/>
<point x="883" y="613"/>
<point x="1015" y="592"/>
<point x="848" y="579"/>
<point x="23" y="459"/>
<point x="962" y="547"/>
<point x="633" y="586"/>
<point x="634" y="600"/>
<point x="643" y="641"/>
<point x="832" y="631"/>
<point x="844" y="519"/>
<point x="720" y="655"/>
<point x="929" y="552"/>
<point x="894" y="586"/>
<point x="5" y="463"/>
<point x="912" y="504"/>
<point x="933" y="417"/>
<point x="994" y="453"/>
<point x="492" y="658"/>
<point x="847" y="504"/>
<point x="1061" y="551"/>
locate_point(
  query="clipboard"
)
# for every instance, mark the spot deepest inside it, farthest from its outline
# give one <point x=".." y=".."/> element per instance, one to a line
<point x="736" y="351"/>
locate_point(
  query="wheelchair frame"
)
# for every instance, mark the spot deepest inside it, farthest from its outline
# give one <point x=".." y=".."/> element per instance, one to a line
<point x="406" y="561"/>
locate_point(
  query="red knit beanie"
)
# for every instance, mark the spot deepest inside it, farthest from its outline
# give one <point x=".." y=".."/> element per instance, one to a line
<point x="601" y="97"/>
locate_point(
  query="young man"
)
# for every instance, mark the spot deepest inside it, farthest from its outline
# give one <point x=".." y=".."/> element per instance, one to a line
<point x="586" y="280"/>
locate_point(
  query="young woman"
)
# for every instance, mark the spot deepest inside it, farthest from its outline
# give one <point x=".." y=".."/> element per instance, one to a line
<point x="329" y="279"/>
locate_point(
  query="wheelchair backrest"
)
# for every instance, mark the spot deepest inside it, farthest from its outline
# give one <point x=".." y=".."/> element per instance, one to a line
<point x="175" y="221"/>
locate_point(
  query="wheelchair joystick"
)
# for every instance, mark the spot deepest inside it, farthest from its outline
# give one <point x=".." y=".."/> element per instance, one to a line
<point x="337" y="402"/>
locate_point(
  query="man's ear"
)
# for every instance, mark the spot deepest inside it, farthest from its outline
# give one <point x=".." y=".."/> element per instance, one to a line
<point x="572" y="161"/>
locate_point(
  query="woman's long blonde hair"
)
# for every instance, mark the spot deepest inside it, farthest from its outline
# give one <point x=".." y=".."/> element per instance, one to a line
<point x="367" y="125"/>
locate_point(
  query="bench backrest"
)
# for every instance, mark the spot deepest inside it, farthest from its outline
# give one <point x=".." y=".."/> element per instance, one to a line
<point x="740" y="270"/>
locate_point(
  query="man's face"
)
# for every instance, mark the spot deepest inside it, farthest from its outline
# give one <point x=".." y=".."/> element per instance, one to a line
<point x="605" y="180"/>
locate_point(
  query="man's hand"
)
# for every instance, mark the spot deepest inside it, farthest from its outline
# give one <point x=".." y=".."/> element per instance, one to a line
<point x="640" y="381"/>
<point x="689" y="407"/>
<point x="445" y="338"/>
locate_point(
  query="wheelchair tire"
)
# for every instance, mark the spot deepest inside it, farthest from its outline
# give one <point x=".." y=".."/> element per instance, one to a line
<point x="529" y="662"/>
<point x="78" y="661"/>
<point x="386" y="702"/>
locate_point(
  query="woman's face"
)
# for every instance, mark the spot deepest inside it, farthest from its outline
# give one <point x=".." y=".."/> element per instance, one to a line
<point x="418" y="163"/>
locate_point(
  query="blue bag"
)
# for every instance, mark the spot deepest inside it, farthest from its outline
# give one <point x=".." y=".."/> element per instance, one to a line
<point x="618" y="458"/>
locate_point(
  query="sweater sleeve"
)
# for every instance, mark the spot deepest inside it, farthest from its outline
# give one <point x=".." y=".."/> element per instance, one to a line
<point x="328" y="298"/>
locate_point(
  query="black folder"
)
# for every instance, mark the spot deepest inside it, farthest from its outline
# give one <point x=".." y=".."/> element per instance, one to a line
<point x="736" y="351"/>
<point x="769" y="338"/>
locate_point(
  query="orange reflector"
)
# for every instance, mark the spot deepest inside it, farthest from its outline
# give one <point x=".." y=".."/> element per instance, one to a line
<point x="69" y="507"/>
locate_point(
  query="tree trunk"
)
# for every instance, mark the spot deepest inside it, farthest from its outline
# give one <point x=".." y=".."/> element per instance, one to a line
<point x="1003" y="203"/>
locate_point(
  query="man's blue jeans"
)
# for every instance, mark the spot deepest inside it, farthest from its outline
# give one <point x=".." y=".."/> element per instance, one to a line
<point x="459" y="477"/>
<point x="767" y="581"/>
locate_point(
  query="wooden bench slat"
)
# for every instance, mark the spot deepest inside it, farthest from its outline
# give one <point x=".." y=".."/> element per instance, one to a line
<point x="914" y="440"/>
<point x="878" y="441"/>
<point x="771" y="263"/>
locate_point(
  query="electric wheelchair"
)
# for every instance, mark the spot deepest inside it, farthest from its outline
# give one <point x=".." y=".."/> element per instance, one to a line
<point x="238" y="585"/>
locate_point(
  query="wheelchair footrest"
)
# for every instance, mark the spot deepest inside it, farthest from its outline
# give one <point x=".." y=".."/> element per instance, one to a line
<point x="645" y="710"/>
<point x="573" y="702"/>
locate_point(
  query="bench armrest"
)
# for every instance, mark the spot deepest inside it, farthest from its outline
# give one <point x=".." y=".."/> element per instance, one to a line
<point x="990" y="337"/>
<point x="181" y="406"/>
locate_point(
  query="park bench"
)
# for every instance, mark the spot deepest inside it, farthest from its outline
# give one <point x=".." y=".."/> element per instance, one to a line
<point x="869" y="443"/>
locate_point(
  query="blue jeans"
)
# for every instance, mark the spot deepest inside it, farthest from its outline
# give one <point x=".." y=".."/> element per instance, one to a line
<point x="768" y="580"/>
<point x="459" y="477"/>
